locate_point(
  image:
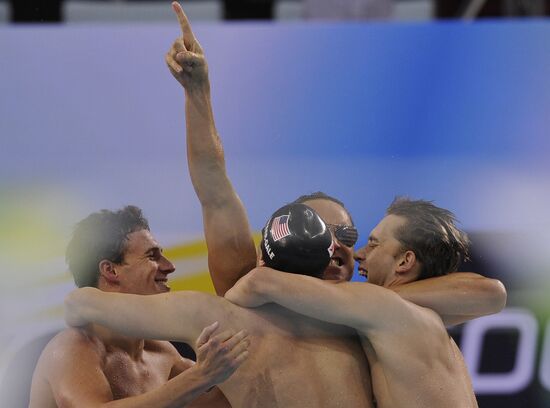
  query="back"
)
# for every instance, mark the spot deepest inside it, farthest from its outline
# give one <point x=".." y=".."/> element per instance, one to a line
<point x="296" y="361"/>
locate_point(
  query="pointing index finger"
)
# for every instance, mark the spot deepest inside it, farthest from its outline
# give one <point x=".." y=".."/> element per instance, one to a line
<point x="183" y="20"/>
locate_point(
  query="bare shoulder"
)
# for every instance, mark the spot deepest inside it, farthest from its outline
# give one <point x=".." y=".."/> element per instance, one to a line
<point x="72" y="340"/>
<point x="64" y="349"/>
<point x="398" y="317"/>
<point x="426" y="320"/>
<point x="422" y="327"/>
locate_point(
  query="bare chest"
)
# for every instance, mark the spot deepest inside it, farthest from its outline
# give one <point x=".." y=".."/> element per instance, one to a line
<point x="407" y="376"/>
<point x="128" y="377"/>
<point x="378" y="377"/>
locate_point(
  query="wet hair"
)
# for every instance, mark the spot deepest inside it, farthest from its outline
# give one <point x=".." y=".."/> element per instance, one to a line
<point x="431" y="233"/>
<point x="319" y="195"/>
<point x="101" y="235"/>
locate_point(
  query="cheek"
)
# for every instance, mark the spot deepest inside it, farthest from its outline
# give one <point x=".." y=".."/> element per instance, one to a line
<point x="376" y="259"/>
<point x="348" y="251"/>
<point x="145" y="273"/>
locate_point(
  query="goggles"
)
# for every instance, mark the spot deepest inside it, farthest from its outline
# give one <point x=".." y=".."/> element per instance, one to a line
<point x="345" y="234"/>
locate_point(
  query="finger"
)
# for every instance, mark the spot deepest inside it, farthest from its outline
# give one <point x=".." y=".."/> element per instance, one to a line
<point x="236" y="339"/>
<point x="206" y="333"/>
<point x="183" y="20"/>
<point x="240" y="358"/>
<point x="221" y="337"/>
<point x="178" y="46"/>
<point x="188" y="60"/>
<point x="174" y="67"/>
<point x="239" y="349"/>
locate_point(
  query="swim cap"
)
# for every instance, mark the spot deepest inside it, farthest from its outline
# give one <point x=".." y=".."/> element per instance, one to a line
<point x="296" y="240"/>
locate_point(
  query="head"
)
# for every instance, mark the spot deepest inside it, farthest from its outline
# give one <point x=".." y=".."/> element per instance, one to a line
<point x="415" y="240"/>
<point x="296" y="240"/>
<point x="115" y="251"/>
<point x="339" y="221"/>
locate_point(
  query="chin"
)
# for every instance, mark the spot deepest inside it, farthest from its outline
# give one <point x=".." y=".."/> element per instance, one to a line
<point x="163" y="289"/>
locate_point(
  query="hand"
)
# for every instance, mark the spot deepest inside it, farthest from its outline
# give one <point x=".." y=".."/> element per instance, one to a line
<point x="185" y="59"/>
<point x="74" y="306"/>
<point x="247" y="292"/>
<point x="219" y="356"/>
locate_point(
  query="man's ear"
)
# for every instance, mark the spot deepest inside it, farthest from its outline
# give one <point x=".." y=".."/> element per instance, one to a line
<point x="108" y="272"/>
<point x="406" y="262"/>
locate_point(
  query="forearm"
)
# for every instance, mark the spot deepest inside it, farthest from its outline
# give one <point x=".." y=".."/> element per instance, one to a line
<point x="337" y="303"/>
<point x="146" y="317"/>
<point x="231" y="251"/>
<point x="205" y="156"/>
<point x="456" y="297"/>
<point x="177" y="393"/>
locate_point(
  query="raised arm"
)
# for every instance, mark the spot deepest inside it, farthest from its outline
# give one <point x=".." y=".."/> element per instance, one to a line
<point x="362" y="306"/>
<point x="457" y="297"/>
<point x="178" y="316"/>
<point x="231" y="252"/>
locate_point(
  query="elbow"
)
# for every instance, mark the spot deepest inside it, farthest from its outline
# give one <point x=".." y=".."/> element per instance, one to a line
<point x="248" y="291"/>
<point x="75" y="304"/>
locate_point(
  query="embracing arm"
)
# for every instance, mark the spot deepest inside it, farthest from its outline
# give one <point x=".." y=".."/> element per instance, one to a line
<point x="362" y="306"/>
<point x="231" y="251"/>
<point x="457" y="297"/>
<point x="178" y="316"/>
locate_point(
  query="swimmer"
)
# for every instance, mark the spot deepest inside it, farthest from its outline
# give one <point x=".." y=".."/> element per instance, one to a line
<point x="414" y="362"/>
<point x="231" y="250"/>
<point x="293" y="361"/>
<point x="456" y="297"/>
<point x="96" y="366"/>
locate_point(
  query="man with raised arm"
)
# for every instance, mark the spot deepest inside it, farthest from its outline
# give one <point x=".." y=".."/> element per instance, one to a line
<point x="457" y="297"/>
<point x="414" y="362"/>
<point x="231" y="251"/>
<point x="96" y="366"/>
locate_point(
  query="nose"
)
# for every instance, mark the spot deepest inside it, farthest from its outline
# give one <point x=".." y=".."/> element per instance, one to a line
<point x="337" y="244"/>
<point x="359" y="255"/>
<point x="166" y="266"/>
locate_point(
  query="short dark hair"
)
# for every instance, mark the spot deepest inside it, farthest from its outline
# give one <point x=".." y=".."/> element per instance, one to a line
<point x="101" y="235"/>
<point x="431" y="233"/>
<point x="319" y="195"/>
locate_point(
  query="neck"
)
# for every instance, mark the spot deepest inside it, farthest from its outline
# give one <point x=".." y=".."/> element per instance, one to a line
<point x="134" y="347"/>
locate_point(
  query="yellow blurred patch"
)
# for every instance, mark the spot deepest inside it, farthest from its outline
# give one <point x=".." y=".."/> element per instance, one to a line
<point x="34" y="220"/>
<point x="187" y="250"/>
<point x="200" y="282"/>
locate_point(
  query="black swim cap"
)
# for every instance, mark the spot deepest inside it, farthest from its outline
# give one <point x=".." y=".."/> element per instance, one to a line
<point x="296" y="240"/>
